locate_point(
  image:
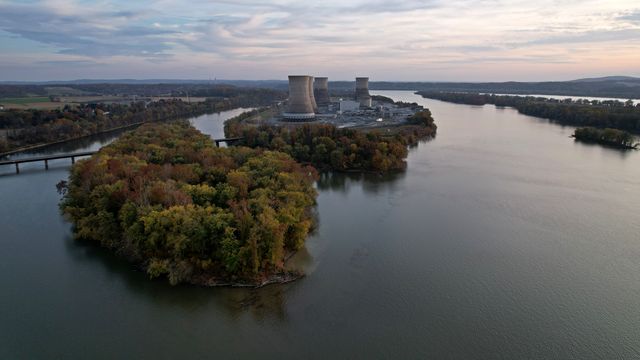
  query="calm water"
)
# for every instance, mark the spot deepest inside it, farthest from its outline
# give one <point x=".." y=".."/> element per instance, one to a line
<point x="504" y="239"/>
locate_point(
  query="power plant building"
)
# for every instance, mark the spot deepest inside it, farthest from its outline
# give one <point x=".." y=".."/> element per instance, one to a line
<point x="362" y="91"/>
<point x="301" y="100"/>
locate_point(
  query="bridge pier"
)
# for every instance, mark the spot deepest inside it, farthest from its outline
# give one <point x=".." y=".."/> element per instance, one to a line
<point x="73" y="160"/>
<point x="17" y="169"/>
<point x="46" y="164"/>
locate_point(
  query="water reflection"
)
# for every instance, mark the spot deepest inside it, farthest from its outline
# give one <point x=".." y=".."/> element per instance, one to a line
<point x="266" y="302"/>
<point x="371" y="183"/>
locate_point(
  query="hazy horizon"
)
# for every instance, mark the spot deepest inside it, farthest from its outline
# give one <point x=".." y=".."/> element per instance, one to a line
<point x="457" y="41"/>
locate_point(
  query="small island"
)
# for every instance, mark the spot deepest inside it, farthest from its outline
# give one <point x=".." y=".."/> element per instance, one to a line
<point x="608" y="137"/>
<point x="168" y="200"/>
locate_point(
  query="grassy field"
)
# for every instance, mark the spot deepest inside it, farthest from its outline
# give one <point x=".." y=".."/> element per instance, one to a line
<point x="24" y="100"/>
<point x="44" y="103"/>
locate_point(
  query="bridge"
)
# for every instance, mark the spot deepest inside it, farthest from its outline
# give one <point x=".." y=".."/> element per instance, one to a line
<point x="73" y="156"/>
<point x="46" y="159"/>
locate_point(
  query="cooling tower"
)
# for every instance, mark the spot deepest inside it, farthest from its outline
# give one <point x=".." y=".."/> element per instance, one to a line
<point x="300" y="106"/>
<point x="362" y="91"/>
<point x="313" y="98"/>
<point x="321" y="91"/>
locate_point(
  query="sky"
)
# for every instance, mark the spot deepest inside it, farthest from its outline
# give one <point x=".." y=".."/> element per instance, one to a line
<point x="429" y="40"/>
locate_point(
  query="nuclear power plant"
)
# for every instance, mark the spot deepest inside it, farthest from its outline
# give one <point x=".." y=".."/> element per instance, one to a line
<point x="306" y="94"/>
<point x="362" y="91"/>
<point x="309" y="100"/>
<point x="321" y="91"/>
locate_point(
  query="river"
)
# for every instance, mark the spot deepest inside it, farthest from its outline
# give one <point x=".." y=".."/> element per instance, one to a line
<point x="503" y="239"/>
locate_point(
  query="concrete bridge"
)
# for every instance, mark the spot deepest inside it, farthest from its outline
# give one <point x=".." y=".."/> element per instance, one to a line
<point x="73" y="156"/>
<point x="46" y="159"/>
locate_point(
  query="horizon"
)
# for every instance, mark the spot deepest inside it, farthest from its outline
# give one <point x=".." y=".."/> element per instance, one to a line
<point x="423" y="41"/>
<point x="284" y="80"/>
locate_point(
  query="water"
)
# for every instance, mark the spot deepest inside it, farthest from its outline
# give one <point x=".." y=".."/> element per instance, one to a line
<point x="504" y="239"/>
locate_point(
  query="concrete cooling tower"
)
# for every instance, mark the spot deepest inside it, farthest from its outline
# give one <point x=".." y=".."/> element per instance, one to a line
<point x="321" y="91"/>
<point x="300" y="105"/>
<point x="311" y="95"/>
<point x="362" y="91"/>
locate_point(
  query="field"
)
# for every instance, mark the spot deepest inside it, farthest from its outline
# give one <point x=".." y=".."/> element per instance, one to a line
<point x="44" y="103"/>
<point x="29" y="103"/>
<point x="24" y="100"/>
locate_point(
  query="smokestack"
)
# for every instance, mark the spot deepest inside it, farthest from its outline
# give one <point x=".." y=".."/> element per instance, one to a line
<point x="311" y="96"/>
<point x="300" y="106"/>
<point x="321" y="91"/>
<point x="362" y="91"/>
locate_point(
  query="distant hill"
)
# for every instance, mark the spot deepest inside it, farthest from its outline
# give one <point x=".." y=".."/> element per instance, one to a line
<point x="625" y="87"/>
<point x="608" y="78"/>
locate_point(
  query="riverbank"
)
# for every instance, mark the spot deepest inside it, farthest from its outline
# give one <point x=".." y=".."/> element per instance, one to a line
<point x="40" y="146"/>
<point x="580" y="113"/>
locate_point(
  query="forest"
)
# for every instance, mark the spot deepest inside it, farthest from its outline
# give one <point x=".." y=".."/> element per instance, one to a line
<point x="327" y="147"/>
<point x="32" y="127"/>
<point x="168" y="200"/>
<point x="609" y="137"/>
<point x="600" y="114"/>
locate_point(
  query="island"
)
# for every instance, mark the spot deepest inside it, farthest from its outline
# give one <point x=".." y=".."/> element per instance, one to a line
<point x="609" y="137"/>
<point x="167" y="199"/>
<point x="327" y="147"/>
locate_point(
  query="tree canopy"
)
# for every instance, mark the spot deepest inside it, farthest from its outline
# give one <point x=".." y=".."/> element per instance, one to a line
<point x="329" y="148"/>
<point x="167" y="199"/>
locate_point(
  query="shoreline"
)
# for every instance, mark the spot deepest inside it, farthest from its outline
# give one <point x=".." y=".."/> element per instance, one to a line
<point x="40" y="146"/>
<point x="123" y="127"/>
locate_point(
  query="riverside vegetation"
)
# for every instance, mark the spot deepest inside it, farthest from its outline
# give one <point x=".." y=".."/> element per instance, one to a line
<point x="33" y="127"/>
<point x="170" y="201"/>
<point x="329" y="148"/>
<point x="166" y="198"/>
<point x="609" y="137"/>
<point x="595" y="113"/>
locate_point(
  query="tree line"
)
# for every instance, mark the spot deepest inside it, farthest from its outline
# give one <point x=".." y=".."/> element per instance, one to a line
<point x="585" y="113"/>
<point x="32" y="127"/>
<point x="327" y="147"/>
<point x="167" y="199"/>
<point x="609" y="137"/>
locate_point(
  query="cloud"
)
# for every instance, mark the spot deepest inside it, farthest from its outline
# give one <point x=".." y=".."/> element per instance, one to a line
<point x="267" y="39"/>
<point x="631" y="16"/>
<point x="83" y="31"/>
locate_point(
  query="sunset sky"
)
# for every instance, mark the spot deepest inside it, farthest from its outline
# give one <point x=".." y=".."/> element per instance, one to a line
<point x="439" y="40"/>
